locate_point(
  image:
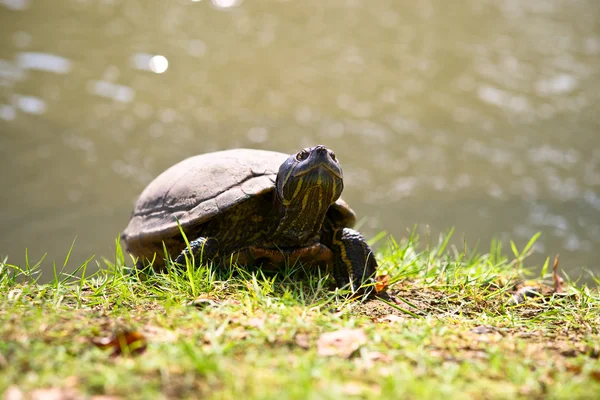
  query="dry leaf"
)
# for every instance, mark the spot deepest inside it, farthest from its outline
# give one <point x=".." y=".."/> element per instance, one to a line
<point x="256" y="322"/>
<point x="382" y="281"/>
<point x="131" y="342"/>
<point x="54" y="394"/>
<point x="341" y="343"/>
<point x="360" y="389"/>
<point x="104" y="397"/>
<point x="14" y="393"/>
<point x="556" y="279"/>
<point x="302" y="340"/>
<point x="578" y="369"/>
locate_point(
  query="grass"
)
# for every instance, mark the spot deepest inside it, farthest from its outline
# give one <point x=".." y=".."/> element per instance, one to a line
<point x="449" y="328"/>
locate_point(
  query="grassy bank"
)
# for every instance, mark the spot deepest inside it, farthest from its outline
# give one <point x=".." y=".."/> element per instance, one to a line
<point x="452" y="325"/>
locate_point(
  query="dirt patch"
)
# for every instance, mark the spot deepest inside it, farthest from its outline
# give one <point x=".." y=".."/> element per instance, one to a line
<point x="420" y="301"/>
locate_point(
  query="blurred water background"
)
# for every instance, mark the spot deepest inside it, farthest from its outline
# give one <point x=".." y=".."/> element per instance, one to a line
<point x="483" y="115"/>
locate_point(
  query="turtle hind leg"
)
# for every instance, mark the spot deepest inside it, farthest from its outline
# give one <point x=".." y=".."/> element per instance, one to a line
<point x="353" y="261"/>
<point x="201" y="250"/>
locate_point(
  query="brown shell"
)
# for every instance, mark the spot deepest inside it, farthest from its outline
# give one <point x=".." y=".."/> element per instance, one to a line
<point x="201" y="187"/>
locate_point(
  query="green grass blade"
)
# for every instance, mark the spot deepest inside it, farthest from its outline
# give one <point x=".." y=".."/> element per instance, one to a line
<point x="402" y="310"/>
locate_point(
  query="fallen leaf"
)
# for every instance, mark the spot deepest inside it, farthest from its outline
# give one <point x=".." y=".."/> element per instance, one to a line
<point x="14" y="393"/>
<point x="104" y="397"/>
<point x="54" y="394"/>
<point x="556" y="279"/>
<point x="129" y="342"/>
<point x="360" y="389"/>
<point x="353" y="388"/>
<point x="526" y="390"/>
<point x="575" y="369"/>
<point x="341" y="343"/>
<point x="256" y="322"/>
<point x="578" y="369"/>
<point x="390" y="318"/>
<point x="381" y="282"/>
<point x="302" y="340"/>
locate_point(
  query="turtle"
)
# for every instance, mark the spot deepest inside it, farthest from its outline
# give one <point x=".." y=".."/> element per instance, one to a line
<point x="252" y="207"/>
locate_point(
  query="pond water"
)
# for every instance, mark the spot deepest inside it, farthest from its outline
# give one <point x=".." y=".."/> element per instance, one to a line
<point x="482" y="115"/>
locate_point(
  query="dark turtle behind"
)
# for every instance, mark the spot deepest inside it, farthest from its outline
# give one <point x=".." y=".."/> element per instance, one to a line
<point x="252" y="207"/>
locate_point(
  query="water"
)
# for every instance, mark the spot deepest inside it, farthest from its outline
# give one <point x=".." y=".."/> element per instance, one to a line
<point x="482" y="115"/>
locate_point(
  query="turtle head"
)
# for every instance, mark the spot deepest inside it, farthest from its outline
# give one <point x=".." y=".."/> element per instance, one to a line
<point x="307" y="183"/>
<point x="312" y="172"/>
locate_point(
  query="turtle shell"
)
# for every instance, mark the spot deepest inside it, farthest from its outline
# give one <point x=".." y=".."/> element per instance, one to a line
<point x="204" y="186"/>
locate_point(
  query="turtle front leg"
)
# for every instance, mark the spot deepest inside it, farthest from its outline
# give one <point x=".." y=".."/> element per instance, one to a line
<point x="202" y="249"/>
<point x="353" y="260"/>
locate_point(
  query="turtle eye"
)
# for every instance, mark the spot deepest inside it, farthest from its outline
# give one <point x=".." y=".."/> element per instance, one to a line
<point x="332" y="154"/>
<point x="303" y="155"/>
